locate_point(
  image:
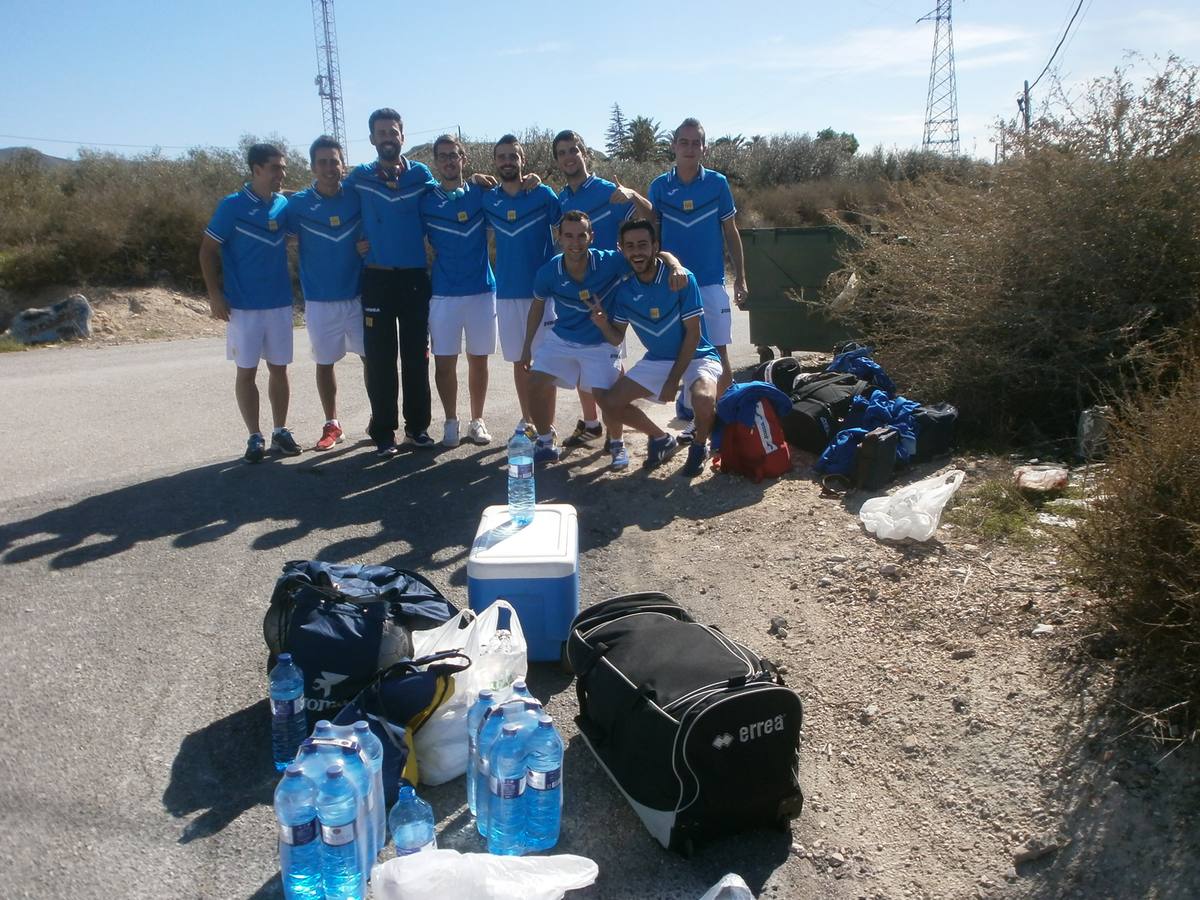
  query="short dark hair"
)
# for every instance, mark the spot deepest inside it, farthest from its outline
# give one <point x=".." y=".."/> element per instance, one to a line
<point x="689" y="122"/>
<point x="261" y="154"/>
<point x="384" y="113"/>
<point x="578" y="215"/>
<point x="325" y="142"/>
<point x="449" y="139"/>
<point x="508" y="139"/>
<point x="633" y="225"/>
<point x="567" y="135"/>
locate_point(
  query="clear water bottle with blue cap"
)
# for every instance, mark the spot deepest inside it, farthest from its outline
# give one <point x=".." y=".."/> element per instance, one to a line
<point x="475" y="717"/>
<point x="372" y="749"/>
<point x="488" y="734"/>
<point x="521" y="495"/>
<point x="288" y="723"/>
<point x="356" y="770"/>
<point x="411" y="823"/>
<point x="543" y="785"/>
<point x="337" y="812"/>
<point x="299" y="836"/>
<point x="506" y="802"/>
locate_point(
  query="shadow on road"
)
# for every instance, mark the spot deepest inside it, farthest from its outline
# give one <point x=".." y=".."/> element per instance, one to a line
<point x="223" y="769"/>
<point x="418" y="511"/>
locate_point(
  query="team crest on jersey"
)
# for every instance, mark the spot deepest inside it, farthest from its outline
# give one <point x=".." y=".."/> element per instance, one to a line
<point x="654" y="312"/>
<point x="393" y="184"/>
<point x="272" y="225"/>
<point x="688" y="205"/>
<point x="585" y="294"/>
<point x="462" y="215"/>
<point x="512" y="215"/>
<point x="335" y="221"/>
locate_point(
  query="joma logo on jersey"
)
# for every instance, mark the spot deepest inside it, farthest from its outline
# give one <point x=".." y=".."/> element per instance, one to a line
<point x="758" y="729"/>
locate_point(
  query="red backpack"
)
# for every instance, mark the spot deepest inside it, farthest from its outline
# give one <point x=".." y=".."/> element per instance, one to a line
<point x="757" y="451"/>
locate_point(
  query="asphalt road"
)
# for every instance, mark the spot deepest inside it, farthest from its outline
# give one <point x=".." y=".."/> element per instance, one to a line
<point x="137" y="554"/>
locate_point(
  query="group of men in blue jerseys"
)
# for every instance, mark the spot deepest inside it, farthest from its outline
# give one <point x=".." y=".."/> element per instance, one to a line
<point x="572" y="272"/>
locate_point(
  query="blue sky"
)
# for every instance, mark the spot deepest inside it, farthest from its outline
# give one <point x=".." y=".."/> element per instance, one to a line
<point x="179" y="74"/>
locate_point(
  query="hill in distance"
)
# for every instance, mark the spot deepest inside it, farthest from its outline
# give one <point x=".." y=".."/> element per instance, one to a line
<point x="50" y="162"/>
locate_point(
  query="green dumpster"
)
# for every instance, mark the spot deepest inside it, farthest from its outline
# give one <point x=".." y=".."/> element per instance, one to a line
<point x="783" y="264"/>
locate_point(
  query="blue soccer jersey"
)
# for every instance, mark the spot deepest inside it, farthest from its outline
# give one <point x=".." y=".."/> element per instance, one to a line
<point x="690" y="217"/>
<point x="456" y="227"/>
<point x="605" y="270"/>
<point x="391" y="217"/>
<point x="252" y="233"/>
<point x="524" y="240"/>
<point x="327" y="228"/>
<point x="593" y="197"/>
<point x="657" y="314"/>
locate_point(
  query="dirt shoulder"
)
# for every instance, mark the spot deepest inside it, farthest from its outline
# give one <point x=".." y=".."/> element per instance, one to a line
<point x="129" y="315"/>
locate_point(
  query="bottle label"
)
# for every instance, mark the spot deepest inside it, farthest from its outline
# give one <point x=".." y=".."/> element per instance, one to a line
<point x="337" y="835"/>
<point x="298" y="835"/>
<point x="285" y="709"/>
<point x="544" y="781"/>
<point x="507" y="788"/>
<point x="409" y="851"/>
<point x="523" y="470"/>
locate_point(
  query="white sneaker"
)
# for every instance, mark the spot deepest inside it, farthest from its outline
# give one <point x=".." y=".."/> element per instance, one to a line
<point x="477" y="432"/>
<point x="450" y="433"/>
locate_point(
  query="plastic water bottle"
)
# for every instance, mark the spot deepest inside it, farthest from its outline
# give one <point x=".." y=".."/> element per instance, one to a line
<point x="475" y="716"/>
<point x="337" y="811"/>
<point x="411" y="823"/>
<point x="299" y="836"/>
<point x="521" y="496"/>
<point x="288" y="723"/>
<point x="506" y="803"/>
<point x="356" y="770"/>
<point x="372" y="749"/>
<point x="543" y="785"/>
<point x="488" y="734"/>
<point x="521" y="689"/>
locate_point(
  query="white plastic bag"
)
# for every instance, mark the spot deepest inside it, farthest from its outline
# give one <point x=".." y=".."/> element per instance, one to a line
<point x="450" y="635"/>
<point x="913" y="511"/>
<point x="497" y="660"/>
<point x="731" y="887"/>
<point x="444" y="874"/>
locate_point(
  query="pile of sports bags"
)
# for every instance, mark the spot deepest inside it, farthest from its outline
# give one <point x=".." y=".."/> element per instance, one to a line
<point x="852" y="417"/>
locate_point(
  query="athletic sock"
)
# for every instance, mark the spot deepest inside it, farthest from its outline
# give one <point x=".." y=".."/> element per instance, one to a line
<point x="546" y="440"/>
<point x="594" y="423"/>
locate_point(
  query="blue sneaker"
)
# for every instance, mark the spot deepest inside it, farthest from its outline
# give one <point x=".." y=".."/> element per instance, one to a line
<point x="660" y="450"/>
<point x="545" y="453"/>
<point x="697" y="454"/>
<point x="256" y="448"/>
<point x="283" y="443"/>
<point x="682" y="410"/>
<point x="620" y="459"/>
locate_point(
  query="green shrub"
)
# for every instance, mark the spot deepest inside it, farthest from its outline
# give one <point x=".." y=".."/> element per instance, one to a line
<point x="1140" y="546"/>
<point x="1026" y="293"/>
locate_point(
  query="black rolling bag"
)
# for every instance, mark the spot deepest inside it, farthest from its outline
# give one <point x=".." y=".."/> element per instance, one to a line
<point x="696" y="730"/>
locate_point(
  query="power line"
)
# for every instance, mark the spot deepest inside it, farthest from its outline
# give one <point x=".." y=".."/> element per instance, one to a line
<point x="1050" y="61"/>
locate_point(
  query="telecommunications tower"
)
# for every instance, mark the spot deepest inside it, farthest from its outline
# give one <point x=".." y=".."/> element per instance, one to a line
<point x="941" y="107"/>
<point x="329" y="75"/>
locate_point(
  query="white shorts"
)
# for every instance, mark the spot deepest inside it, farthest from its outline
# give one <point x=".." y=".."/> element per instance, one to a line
<point x="652" y="374"/>
<point x="512" y="316"/>
<point x="589" y="366"/>
<point x="257" y="334"/>
<point x="335" y="328"/>
<point x="718" y="321"/>
<point x="451" y="317"/>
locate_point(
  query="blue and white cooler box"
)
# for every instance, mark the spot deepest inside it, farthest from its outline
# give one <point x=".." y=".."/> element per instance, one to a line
<point x="535" y="568"/>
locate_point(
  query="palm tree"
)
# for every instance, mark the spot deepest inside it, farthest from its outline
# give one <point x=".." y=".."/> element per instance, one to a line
<point x="647" y="141"/>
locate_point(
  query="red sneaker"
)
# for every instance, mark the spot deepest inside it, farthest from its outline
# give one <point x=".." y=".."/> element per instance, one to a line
<point x="331" y="434"/>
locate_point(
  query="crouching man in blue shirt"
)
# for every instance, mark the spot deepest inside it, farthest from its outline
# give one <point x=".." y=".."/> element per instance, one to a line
<point x="243" y="257"/>
<point x="670" y="323"/>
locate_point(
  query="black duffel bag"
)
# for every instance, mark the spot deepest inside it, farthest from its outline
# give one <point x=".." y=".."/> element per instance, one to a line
<point x="343" y="624"/>
<point x="781" y="372"/>
<point x="697" y="730"/>
<point x="820" y="404"/>
<point x="936" y="425"/>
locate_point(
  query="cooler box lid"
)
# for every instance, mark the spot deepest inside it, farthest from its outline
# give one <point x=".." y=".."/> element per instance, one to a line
<point x="548" y="547"/>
